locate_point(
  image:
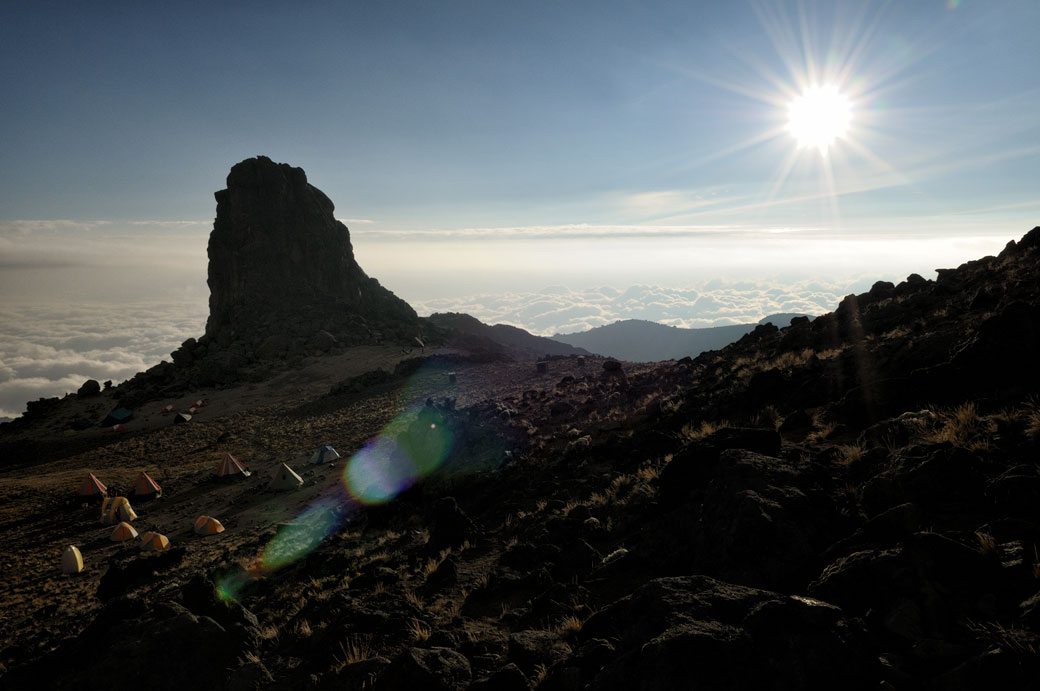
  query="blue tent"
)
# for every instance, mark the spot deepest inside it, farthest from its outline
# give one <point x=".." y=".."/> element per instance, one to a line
<point x="325" y="454"/>
<point x="119" y="416"/>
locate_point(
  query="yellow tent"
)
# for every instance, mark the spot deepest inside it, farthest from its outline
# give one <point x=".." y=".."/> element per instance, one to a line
<point x="207" y="525"/>
<point x="114" y="509"/>
<point x="71" y="560"/>
<point x="123" y="531"/>
<point x="156" y="543"/>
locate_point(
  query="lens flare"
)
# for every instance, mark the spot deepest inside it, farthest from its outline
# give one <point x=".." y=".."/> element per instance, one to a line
<point x="300" y="537"/>
<point x="412" y="446"/>
<point x="406" y="451"/>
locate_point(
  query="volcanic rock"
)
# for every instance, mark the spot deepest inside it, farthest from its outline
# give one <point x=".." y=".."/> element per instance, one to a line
<point x="280" y="263"/>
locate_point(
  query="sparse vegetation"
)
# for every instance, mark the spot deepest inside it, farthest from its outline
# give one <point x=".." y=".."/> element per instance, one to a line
<point x="849" y="454"/>
<point x="354" y="649"/>
<point x="695" y="432"/>
<point x="963" y="426"/>
<point x="420" y="631"/>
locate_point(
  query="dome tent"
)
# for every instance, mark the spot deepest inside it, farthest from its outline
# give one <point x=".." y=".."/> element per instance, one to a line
<point x="119" y="416"/>
<point x="207" y="525"/>
<point x="71" y="560"/>
<point x="155" y="542"/>
<point x="123" y="532"/>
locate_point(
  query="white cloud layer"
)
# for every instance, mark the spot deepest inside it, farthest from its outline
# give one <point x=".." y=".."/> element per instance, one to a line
<point x="51" y="349"/>
<point x="558" y="309"/>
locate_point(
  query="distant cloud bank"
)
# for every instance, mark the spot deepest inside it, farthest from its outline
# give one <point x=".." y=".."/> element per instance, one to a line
<point x="559" y="309"/>
<point x="49" y="350"/>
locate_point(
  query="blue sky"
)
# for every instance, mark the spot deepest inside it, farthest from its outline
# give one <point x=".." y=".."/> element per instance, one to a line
<point x="450" y="115"/>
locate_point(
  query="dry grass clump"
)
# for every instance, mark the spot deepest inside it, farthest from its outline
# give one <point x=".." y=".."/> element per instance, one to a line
<point x="821" y="428"/>
<point x="414" y="598"/>
<point x="962" y="426"/>
<point x="420" y="631"/>
<point x="568" y="626"/>
<point x="434" y="563"/>
<point x="987" y="543"/>
<point x="1033" y="424"/>
<point x="303" y="628"/>
<point x="850" y="453"/>
<point x="692" y="432"/>
<point x="356" y="649"/>
<point x="1013" y="640"/>
<point x="269" y="633"/>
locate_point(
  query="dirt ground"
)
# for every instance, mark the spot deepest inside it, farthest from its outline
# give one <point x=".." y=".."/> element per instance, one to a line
<point x="264" y="425"/>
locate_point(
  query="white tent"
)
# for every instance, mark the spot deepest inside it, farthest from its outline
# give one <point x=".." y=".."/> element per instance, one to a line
<point x="71" y="560"/>
<point x="286" y="479"/>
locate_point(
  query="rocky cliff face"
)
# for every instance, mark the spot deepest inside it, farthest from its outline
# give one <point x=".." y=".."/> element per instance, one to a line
<point x="280" y="264"/>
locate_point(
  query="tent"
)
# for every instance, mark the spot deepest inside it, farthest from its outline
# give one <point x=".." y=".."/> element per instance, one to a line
<point x="71" y="560"/>
<point x="145" y="487"/>
<point x="155" y="543"/>
<point x="114" y="509"/>
<point x="325" y="454"/>
<point x="119" y="416"/>
<point x="286" y="479"/>
<point x="207" y="525"/>
<point x="181" y="418"/>
<point x="92" y="487"/>
<point x="231" y="466"/>
<point x="124" y="531"/>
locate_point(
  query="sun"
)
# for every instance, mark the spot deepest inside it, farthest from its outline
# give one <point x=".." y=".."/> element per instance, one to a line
<point x="818" y="117"/>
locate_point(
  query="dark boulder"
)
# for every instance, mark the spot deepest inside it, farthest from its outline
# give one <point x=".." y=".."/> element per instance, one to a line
<point x="90" y="387"/>
<point x="699" y="633"/>
<point x="437" y="669"/>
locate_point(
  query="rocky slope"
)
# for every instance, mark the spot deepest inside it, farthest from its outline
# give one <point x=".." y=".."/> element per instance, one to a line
<point x="847" y="503"/>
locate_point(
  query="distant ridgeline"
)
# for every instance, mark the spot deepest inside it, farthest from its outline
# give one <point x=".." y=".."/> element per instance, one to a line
<point x="638" y="340"/>
<point x="511" y="341"/>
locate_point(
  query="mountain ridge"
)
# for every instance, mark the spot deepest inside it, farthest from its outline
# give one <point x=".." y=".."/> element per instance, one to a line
<point x="640" y="340"/>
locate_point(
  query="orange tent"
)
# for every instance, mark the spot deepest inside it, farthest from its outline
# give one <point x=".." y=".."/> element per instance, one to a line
<point x="123" y="531"/>
<point x="231" y="466"/>
<point x="207" y="525"/>
<point x="155" y="543"/>
<point x="92" y="487"/>
<point x="145" y="486"/>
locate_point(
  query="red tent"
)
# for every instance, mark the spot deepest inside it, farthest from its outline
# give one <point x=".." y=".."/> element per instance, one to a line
<point x="231" y="466"/>
<point x="92" y="487"/>
<point x="145" y="486"/>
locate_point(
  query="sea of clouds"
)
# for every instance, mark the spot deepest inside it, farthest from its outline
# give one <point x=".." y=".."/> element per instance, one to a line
<point x="559" y="309"/>
<point x="51" y="349"/>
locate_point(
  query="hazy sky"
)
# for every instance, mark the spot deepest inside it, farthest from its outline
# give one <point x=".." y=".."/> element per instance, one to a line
<point x="495" y="148"/>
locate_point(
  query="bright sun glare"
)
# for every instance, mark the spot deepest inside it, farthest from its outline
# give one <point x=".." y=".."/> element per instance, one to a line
<point x="819" y="116"/>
